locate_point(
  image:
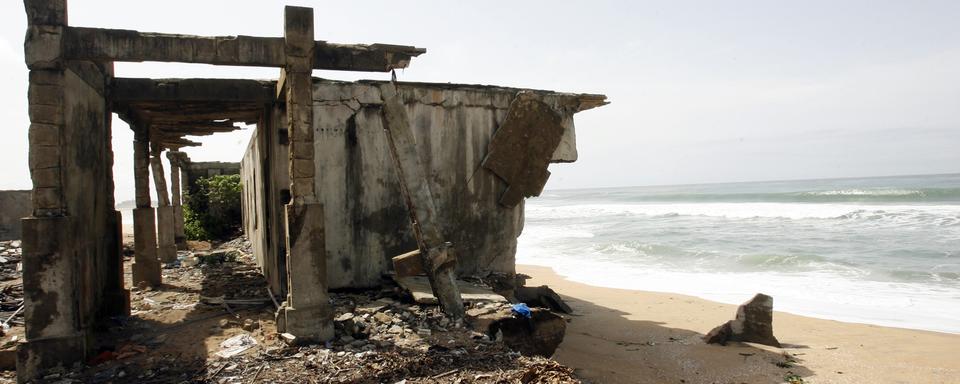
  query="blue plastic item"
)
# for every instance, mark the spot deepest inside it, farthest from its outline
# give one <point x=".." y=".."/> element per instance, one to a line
<point x="522" y="309"/>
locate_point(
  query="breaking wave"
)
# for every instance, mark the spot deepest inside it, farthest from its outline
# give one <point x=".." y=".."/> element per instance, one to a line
<point x="856" y="250"/>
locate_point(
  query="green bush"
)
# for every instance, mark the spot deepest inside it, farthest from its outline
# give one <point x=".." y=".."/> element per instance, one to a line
<point x="212" y="211"/>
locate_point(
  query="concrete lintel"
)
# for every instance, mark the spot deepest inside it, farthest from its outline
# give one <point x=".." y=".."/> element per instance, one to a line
<point x="98" y="44"/>
<point x="217" y="90"/>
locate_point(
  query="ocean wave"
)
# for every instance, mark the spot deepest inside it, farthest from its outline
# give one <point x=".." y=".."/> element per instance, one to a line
<point x="941" y="215"/>
<point x="809" y="195"/>
<point x="864" y="192"/>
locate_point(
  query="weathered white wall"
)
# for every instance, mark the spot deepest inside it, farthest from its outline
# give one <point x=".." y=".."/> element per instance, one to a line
<point x="365" y="219"/>
<point x="263" y="171"/>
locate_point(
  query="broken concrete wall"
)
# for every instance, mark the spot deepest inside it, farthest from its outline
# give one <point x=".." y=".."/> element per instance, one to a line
<point x="14" y="205"/>
<point x="366" y="219"/>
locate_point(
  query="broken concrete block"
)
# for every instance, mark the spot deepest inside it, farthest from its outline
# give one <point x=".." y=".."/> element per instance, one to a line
<point x="538" y="335"/>
<point x="408" y="264"/>
<point x="521" y="149"/>
<point x="542" y="297"/>
<point x="754" y="323"/>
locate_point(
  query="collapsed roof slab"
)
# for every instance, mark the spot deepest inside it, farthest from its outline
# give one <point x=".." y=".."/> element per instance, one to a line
<point x="174" y="108"/>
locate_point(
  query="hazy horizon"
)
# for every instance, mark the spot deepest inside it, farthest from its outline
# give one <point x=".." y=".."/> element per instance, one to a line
<point x="701" y="92"/>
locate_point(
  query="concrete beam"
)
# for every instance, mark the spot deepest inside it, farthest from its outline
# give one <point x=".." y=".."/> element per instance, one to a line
<point x="180" y="90"/>
<point x="415" y="187"/>
<point x="125" y="45"/>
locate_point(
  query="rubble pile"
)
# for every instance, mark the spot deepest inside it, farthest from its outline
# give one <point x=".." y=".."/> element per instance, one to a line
<point x="10" y="254"/>
<point x="213" y="322"/>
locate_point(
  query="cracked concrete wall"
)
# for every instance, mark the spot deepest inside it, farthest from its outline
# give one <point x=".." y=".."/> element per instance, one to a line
<point x="14" y="205"/>
<point x="366" y="219"/>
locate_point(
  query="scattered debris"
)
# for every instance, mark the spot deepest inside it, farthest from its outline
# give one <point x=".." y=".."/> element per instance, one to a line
<point x="236" y="345"/>
<point x="754" y="323"/>
<point x="382" y="336"/>
<point x="10" y="255"/>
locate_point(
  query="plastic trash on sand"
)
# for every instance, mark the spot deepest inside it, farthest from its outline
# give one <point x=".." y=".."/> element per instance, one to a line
<point x="236" y="345"/>
<point x="521" y="309"/>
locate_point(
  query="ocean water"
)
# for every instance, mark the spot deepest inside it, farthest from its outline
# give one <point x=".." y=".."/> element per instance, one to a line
<point x="882" y="251"/>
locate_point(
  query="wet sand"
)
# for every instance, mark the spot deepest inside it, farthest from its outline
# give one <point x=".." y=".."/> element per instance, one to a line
<point x="624" y="336"/>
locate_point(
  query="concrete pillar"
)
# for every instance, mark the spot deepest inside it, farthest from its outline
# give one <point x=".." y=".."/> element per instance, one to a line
<point x="59" y="259"/>
<point x="176" y="189"/>
<point x="50" y="282"/>
<point x="306" y="313"/>
<point x="49" y="273"/>
<point x="166" y="243"/>
<point x="146" y="267"/>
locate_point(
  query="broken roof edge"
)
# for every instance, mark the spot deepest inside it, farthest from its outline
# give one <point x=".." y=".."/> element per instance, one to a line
<point x="577" y="102"/>
<point x="128" y="89"/>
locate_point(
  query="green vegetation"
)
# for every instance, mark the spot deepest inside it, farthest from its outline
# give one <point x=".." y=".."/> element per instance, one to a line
<point x="212" y="211"/>
<point x="793" y="378"/>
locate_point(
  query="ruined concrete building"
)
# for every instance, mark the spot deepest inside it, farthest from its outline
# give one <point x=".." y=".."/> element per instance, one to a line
<point x="332" y="176"/>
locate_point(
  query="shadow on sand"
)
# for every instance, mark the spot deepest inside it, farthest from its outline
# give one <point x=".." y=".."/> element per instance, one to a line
<point x="605" y="346"/>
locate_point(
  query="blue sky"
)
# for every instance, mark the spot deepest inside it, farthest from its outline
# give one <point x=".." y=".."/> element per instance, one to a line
<point x="701" y="91"/>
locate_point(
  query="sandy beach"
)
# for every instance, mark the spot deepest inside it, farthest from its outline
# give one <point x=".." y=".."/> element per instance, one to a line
<point x="624" y="336"/>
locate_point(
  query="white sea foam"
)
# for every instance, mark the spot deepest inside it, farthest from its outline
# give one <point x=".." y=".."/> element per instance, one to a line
<point x="822" y="295"/>
<point x="737" y="210"/>
<point x="893" y="264"/>
<point x="871" y="192"/>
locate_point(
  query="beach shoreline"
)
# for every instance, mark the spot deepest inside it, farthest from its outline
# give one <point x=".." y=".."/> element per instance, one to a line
<point x="628" y="336"/>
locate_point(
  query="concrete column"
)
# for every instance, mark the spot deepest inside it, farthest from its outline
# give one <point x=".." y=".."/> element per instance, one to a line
<point x="306" y="312"/>
<point x="146" y="267"/>
<point x="52" y="272"/>
<point x="166" y="243"/>
<point x="176" y="189"/>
